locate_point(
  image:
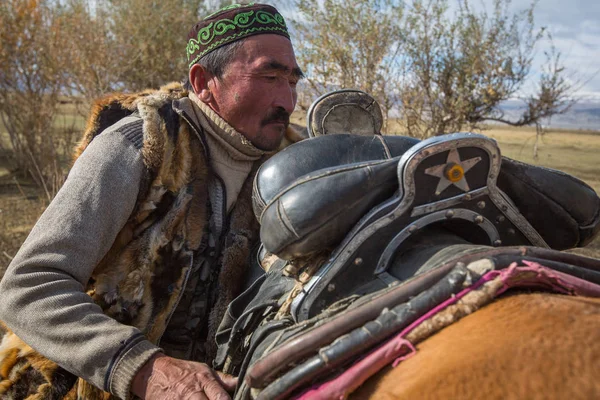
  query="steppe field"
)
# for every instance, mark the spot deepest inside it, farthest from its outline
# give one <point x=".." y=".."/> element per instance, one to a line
<point x="575" y="152"/>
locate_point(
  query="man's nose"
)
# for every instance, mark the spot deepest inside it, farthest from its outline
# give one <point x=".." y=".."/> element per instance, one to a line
<point x="285" y="97"/>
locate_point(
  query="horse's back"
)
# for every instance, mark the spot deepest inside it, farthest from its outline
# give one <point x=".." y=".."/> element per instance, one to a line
<point x="523" y="346"/>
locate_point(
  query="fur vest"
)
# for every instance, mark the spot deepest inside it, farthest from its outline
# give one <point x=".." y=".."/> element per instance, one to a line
<point x="140" y="280"/>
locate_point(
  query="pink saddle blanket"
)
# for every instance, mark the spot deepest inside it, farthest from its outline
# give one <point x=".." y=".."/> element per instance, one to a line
<point x="529" y="275"/>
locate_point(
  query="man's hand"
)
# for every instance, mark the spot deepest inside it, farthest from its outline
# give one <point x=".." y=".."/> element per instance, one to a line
<point x="167" y="378"/>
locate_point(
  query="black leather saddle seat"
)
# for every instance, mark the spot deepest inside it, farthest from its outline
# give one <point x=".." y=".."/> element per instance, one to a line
<point x="316" y="190"/>
<point x="310" y="195"/>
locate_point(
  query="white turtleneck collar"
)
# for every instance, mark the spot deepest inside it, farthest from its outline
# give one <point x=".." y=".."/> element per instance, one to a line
<point x="231" y="154"/>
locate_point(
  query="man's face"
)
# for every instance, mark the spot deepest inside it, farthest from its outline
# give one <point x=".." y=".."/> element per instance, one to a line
<point x="257" y="92"/>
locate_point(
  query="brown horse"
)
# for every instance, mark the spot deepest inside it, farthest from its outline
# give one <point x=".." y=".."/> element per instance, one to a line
<point x="521" y="346"/>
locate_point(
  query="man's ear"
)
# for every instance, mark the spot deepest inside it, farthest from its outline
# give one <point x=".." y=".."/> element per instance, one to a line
<point x="199" y="78"/>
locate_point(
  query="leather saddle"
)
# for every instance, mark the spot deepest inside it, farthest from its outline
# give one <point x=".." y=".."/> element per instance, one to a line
<point x="398" y="220"/>
<point x="362" y="198"/>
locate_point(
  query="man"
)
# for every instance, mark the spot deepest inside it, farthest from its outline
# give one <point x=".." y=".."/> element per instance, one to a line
<point x="156" y="210"/>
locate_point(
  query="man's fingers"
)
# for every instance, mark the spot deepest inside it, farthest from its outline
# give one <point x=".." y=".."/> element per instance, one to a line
<point x="197" y="396"/>
<point x="229" y="382"/>
<point x="170" y="378"/>
<point x="213" y="389"/>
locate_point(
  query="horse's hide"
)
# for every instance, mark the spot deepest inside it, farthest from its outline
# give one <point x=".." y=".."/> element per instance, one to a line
<point x="522" y="346"/>
<point x="277" y="358"/>
<point x="492" y="284"/>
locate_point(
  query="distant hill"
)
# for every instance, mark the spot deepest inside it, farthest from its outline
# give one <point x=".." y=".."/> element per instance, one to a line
<point x="584" y="115"/>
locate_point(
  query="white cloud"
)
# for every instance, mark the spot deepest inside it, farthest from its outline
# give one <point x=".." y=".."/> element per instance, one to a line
<point x="591" y="25"/>
<point x="575" y="28"/>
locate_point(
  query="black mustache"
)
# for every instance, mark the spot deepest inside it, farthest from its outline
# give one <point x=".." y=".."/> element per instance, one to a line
<point x="277" y="115"/>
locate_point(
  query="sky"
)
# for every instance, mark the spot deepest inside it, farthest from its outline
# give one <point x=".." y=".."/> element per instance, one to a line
<point x="575" y="28"/>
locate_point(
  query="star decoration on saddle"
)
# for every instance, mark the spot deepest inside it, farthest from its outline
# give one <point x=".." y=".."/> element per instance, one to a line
<point x="452" y="172"/>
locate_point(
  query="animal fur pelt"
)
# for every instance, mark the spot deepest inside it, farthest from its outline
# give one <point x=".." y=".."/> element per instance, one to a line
<point x="151" y="255"/>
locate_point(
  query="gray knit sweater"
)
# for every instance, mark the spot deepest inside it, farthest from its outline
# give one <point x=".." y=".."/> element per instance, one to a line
<point x="43" y="298"/>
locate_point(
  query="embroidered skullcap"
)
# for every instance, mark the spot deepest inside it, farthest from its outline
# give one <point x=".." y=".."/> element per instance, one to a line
<point x="231" y="23"/>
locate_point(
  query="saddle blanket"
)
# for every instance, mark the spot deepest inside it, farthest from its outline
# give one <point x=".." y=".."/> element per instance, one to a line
<point x="492" y="284"/>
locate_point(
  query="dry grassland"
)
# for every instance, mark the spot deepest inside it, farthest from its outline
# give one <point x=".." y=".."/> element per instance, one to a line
<point x="574" y="152"/>
<point x="577" y="153"/>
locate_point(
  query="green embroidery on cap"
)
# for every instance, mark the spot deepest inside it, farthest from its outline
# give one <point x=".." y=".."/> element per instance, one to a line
<point x="231" y="38"/>
<point x="241" y="21"/>
<point x="227" y="8"/>
<point x="266" y="17"/>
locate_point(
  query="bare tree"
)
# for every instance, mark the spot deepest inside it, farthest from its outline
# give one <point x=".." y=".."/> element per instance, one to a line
<point x="94" y="64"/>
<point x="459" y="68"/>
<point x="30" y="86"/>
<point x="60" y="54"/>
<point x="440" y="70"/>
<point x="347" y="45"/>
<point x="127" y="45"/>
<point x="151" y="38"/>
<point x="554" y="95"/>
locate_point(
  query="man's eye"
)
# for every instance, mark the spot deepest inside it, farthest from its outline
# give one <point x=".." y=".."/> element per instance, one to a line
<point x="271" y="78"/>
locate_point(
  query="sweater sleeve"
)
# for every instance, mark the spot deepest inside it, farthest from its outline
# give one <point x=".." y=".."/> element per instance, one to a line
<point x="42" y="292"/>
